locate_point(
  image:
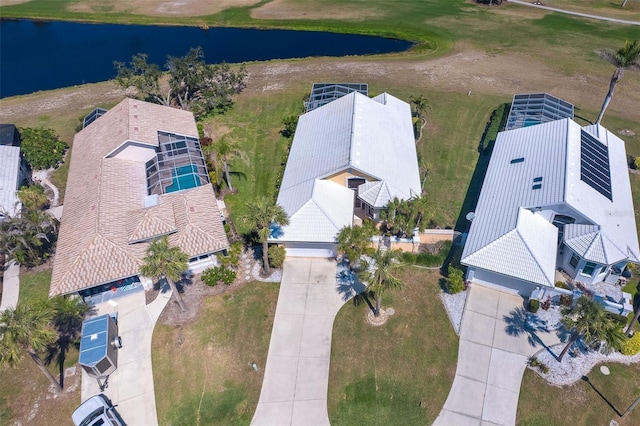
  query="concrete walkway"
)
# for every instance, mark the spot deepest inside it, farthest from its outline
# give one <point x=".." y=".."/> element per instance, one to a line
<point x="492" y="357"/>
<point x="10" y="286"/>
<point x="294" y="389"/>
<point x="131" y="385"/>
<point x="568" y="12"/>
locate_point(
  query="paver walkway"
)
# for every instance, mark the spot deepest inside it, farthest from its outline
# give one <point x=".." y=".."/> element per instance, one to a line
<point x="294" y="389"/>
<point x="492" y="357"/>
<point x="10" y="286"/>
<point x="131" y="385"/>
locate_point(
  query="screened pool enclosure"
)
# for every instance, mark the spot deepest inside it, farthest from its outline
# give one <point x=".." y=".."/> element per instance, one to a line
<point x="178" y="165"/>
<point x="535" y="108"/>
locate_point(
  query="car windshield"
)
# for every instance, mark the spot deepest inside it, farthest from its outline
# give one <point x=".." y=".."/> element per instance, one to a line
<point x="93" y="416"/>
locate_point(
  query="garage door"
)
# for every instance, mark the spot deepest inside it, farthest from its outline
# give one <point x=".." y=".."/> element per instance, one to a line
<point x="311" y="250"/>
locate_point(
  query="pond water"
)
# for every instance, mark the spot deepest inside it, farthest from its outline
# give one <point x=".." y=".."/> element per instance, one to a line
<point x="48" y="55"/>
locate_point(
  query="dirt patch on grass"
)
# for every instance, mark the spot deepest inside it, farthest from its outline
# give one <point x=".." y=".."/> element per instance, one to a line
<point x="287" y="9"/>
<point x="12" y="2"/>
<point x="30" y="400"/>
<point x="481" y="73"/>
<point x="161" y="7"/>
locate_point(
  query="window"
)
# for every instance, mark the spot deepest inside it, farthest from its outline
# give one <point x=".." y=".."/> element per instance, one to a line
<point x="574" y="260"/>
<point x="589" y="268"/>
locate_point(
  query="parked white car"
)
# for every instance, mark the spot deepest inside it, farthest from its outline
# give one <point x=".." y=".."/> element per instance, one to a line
<point x="97" y="411"/>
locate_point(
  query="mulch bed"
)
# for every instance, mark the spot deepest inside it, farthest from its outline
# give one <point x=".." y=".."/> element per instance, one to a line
<point x="193" y="293"/>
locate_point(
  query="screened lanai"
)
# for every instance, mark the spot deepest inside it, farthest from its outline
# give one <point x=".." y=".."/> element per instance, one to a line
<point x="323" y="93"/>
<point x="534" y="108"/>
<point x="178" y="165"/>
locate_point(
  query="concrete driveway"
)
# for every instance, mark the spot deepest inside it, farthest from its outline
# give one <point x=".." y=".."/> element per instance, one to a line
<point x="131" y="385"/>
<point x="492" y="357"/>
<point x="294" y="389"/>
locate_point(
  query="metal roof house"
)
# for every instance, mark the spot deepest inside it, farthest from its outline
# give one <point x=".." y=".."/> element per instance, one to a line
<point x="556" y="196"/>
<point x="348" y="157"/>
<point x="135" y="174"/>
<point x="13" y="170"/>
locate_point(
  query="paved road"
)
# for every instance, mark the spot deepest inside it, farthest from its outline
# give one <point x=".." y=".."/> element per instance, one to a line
<point x="492" y="357"/>
<point x="568" y="12"/>
<point x="131" y="385"/>
<point x="294" y="389"/>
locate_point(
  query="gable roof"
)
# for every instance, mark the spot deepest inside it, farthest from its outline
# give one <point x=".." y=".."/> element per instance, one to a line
<point x="369" y="136"/>
<point x="104" y="212"/>
<point x="539" y="168"/>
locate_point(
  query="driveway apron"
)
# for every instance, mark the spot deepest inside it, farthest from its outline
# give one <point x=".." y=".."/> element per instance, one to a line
<point x="294" y="389"/>
<point x="130" y="387"/>
<point x="492" y="357"/>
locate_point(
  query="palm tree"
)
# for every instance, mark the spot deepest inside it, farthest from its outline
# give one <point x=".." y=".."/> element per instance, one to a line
<point x="29" y="237"/>
<point x="627" y="57"/>
<point x="26" y="328"/>
<point x="588" y="320"/>
<point x="634" y="320"/>
<point x="225" y="150"/>
<point x="354" y="241"/>
<point x="163" y="261"/>
<point x="32" y="197"/>
<point x="261" y="215"/>
<point x="379" y="274"/>
<point x="68" y="314"/>
<point x="420" y="105"/>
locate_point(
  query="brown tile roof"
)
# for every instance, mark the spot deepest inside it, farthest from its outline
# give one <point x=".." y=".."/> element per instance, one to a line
<point x="104" y="215"/>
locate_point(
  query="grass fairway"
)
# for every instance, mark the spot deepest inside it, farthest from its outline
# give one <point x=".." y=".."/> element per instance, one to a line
<point x="202" y="373"/>
<point x="401" y="372"/>
<point x="580" y="404"/>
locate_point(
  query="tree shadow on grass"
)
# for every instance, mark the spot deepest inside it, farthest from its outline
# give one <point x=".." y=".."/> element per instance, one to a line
<point x="604" y="398"/>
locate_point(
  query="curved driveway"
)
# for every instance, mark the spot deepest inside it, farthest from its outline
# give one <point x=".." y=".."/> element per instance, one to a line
<point x="492" y="356"/>
<point x="294" y="389"/>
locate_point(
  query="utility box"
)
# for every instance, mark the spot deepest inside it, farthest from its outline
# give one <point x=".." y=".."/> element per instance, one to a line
<point x="99" y="347"/>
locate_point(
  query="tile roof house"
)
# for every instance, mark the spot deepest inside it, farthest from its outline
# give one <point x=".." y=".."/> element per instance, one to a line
<point x="135" y="173"/>
<point x="13" y="170"/>
<point x="350" y="156"/>
<point x="555" y="196"/>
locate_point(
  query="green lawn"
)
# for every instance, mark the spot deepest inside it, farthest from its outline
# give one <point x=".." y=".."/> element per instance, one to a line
<point x="541" y="404"/>
<point x="34" y="286"/>
<point x="401" y="372"/>
<point x="202" y="372"/>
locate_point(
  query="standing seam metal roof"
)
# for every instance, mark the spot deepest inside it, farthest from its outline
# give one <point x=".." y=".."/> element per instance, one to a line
<point x="550" y="151"/>
<point x="373" y="136"/>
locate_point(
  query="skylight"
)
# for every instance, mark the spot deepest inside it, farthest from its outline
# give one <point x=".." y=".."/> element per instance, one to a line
<point x="594" y="164"/>
<point x="517" y="160"/>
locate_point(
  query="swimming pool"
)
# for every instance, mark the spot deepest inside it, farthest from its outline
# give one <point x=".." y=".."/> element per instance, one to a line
<point x="184" y="177"/>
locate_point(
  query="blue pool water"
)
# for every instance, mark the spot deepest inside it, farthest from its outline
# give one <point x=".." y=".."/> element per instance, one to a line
<point x="531" y="122"/>
<point x="184" y="177"/>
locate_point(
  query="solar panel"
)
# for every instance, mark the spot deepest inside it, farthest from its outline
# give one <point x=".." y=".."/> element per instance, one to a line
<point x="594" y="164"/>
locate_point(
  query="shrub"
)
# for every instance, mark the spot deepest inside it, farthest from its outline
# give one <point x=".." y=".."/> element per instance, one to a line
<point x="41" y="147"/>
<point x="455" y="282"/>
<point x="276" y="256"/>
<point x="631" y="346"/>
<point x="232" y="258"/>
<point x="562" y="284"/>
<point x="566" y="300"/>
<point x="214" y="276"/>
<point x="546" y="304"/>
<point x="636" y="162"/>
<point x="534" y="305"/>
